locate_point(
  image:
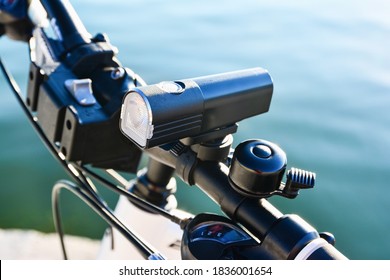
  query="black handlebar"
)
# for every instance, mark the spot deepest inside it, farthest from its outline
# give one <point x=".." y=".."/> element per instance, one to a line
<point x="281" y="236"/>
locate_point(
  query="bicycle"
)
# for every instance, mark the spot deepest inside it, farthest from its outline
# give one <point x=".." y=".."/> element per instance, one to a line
<point x="199" y="154"/>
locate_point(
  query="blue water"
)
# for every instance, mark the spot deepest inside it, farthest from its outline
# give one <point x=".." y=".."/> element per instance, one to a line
<point x="330" y="64"/>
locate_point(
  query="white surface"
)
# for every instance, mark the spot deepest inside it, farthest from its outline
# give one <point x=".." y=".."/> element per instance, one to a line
<point x="157" y="232"/>
<point x="31" y="245"/>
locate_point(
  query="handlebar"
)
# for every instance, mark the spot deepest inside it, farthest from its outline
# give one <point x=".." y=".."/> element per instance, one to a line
<point x="281" y="236"/>
<point x="68" y="26"/>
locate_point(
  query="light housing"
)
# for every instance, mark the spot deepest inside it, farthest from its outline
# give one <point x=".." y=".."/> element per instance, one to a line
<point x="169" y="111"/>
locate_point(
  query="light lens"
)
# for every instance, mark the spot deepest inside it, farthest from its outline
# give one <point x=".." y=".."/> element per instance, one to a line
<point x="136" y="118"/>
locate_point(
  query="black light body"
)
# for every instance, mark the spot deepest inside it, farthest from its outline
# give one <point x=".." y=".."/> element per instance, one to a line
<point x="166" y="112"/>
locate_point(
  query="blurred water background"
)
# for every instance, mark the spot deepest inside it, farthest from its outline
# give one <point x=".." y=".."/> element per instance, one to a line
<point x="330" y="64"/>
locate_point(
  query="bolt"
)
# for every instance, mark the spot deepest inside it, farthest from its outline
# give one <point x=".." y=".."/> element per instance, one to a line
<point x="118" y="73"/>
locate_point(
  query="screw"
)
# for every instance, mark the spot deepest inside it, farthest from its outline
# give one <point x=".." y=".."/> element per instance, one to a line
<point x="118" y="73"/>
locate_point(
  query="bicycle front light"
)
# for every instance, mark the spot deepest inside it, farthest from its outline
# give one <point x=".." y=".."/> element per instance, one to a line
<point x="166" y="112"/>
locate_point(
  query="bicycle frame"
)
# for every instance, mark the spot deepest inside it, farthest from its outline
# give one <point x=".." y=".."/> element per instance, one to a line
<point x="74" y="132"/>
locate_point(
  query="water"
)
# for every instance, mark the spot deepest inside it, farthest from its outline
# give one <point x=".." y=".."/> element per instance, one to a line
<point x="330" y="66"/>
